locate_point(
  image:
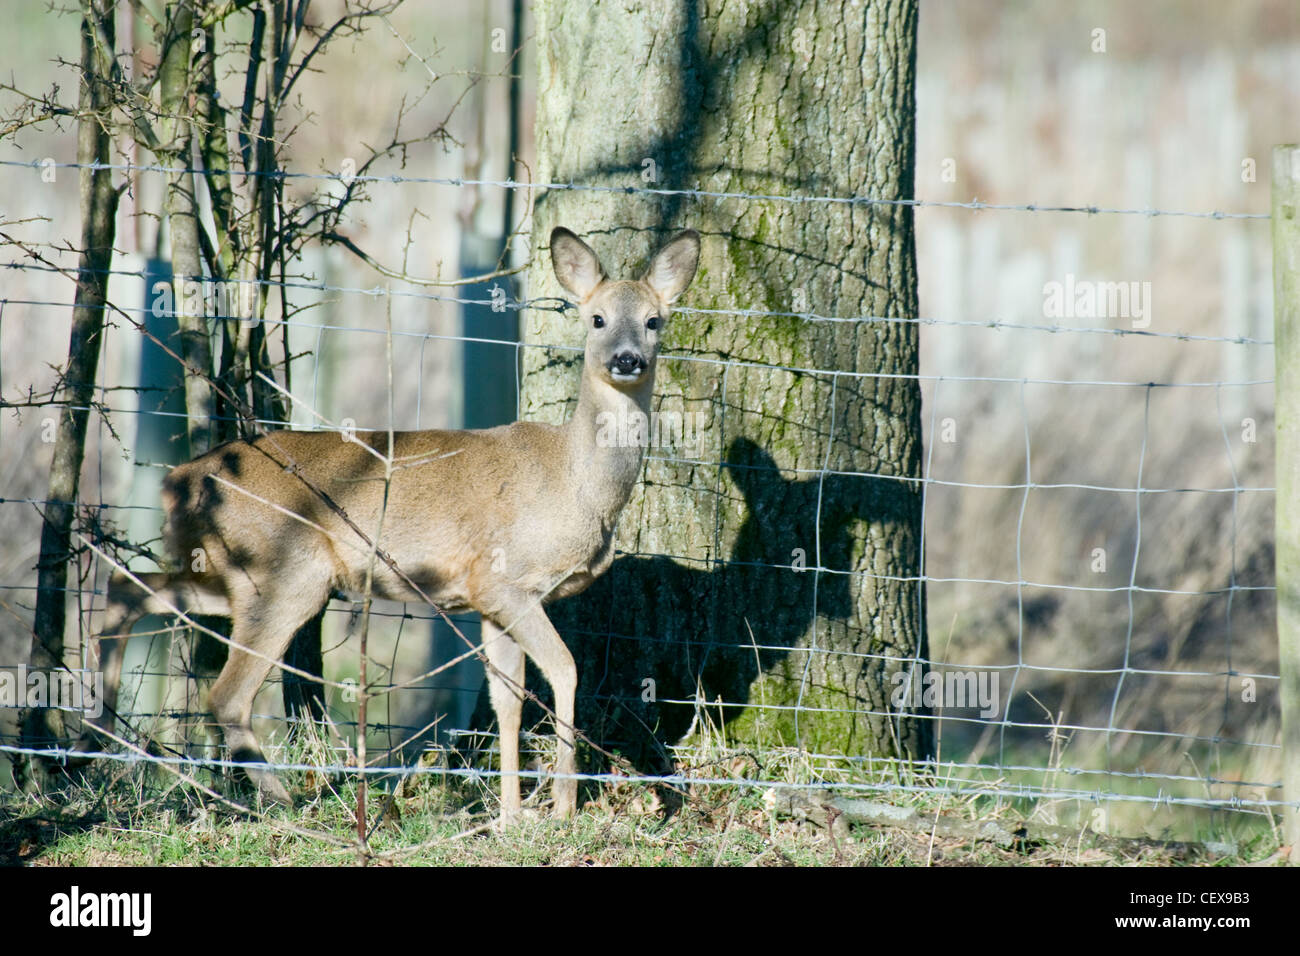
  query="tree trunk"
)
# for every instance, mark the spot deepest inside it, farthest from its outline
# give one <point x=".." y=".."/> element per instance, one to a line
<point x="813" y="470"/>
<point x="177" y="84"/>
<point x="98" y="200"/>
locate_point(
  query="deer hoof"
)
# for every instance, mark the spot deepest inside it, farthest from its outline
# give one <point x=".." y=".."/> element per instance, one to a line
<point x="269" y="787"/>
<point x="271" y="790"/>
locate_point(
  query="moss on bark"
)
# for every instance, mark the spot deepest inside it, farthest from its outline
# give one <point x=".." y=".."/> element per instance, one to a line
<point x="797" y="468"/>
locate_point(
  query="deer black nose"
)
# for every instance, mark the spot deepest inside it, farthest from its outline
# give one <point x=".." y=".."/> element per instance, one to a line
<point x="627" y="363"/>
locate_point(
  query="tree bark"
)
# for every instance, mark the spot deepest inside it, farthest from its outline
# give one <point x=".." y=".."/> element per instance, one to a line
<point x="98" y="202"/>
<point x="812" y="468"/>
<point x="214" y="148"/>
<point x="176" y="84"/>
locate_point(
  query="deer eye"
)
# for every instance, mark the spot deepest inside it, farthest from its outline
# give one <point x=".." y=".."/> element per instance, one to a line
<point x="652" y="323"/>
<point x="598" y="321"/>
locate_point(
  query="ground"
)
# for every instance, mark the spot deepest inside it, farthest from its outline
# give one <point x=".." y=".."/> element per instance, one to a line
<point x="131" y="814"/>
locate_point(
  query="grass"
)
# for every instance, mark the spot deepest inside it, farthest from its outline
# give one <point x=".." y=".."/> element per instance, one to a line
<point x="137" y="814"/>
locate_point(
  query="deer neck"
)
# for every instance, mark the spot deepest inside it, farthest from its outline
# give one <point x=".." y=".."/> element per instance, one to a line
<point x="606" y="439"/>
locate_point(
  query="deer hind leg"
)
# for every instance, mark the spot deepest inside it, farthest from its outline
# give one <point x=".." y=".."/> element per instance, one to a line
<point x="264" y="623"/>
<point x="525" y="620"/>
<point x="505" y="687"/>
<point x="128" y="601"/>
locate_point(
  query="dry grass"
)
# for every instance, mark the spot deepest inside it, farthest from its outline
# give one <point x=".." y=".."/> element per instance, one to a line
<point x="122" y="814"/>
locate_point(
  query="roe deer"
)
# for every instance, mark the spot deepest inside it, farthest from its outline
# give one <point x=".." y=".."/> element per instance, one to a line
<point x="499" y="520"/>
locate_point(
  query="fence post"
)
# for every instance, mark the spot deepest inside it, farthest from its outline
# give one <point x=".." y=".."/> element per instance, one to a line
<point x="1286" y="349"/>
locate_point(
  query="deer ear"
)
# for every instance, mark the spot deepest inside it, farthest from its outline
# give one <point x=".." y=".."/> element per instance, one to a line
<point x="673" y="267"/>
<point x="750" y="465"/>
<point x="576" y="266"/>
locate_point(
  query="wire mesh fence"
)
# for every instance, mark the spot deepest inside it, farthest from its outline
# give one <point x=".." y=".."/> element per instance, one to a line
<point x="1217" y="748"/>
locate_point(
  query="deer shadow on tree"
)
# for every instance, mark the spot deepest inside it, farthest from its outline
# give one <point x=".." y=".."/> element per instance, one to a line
<point x="662" y="645"/>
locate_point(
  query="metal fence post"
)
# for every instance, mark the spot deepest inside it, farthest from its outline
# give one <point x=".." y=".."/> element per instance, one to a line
<point x="1286" y="337"/>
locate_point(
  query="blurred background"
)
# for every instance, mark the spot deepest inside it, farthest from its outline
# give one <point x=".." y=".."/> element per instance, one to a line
<point x="1015" y="105"/>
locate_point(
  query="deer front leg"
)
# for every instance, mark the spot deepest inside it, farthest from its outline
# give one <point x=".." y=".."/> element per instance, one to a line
<point x="505" y="686"/>
<point x="523" y="618"/>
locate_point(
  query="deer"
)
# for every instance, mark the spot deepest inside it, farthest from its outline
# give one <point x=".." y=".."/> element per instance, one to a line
<point x="500" y="521"/>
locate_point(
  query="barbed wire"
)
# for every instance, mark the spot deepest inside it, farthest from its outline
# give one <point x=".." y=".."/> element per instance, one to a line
<point x="899" y="579"/>
<point x="534" y="305"/>
<point x="939" y="666"/>
<point x="999" y="789"/>
<point x="377" y="688"/>
<point x="459" y="182"/>
<point x="833" y="761"/>
<point x="670" y="356"/>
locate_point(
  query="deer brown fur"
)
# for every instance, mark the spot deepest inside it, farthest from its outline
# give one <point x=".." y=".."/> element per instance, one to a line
<point x="499" y="520"/>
